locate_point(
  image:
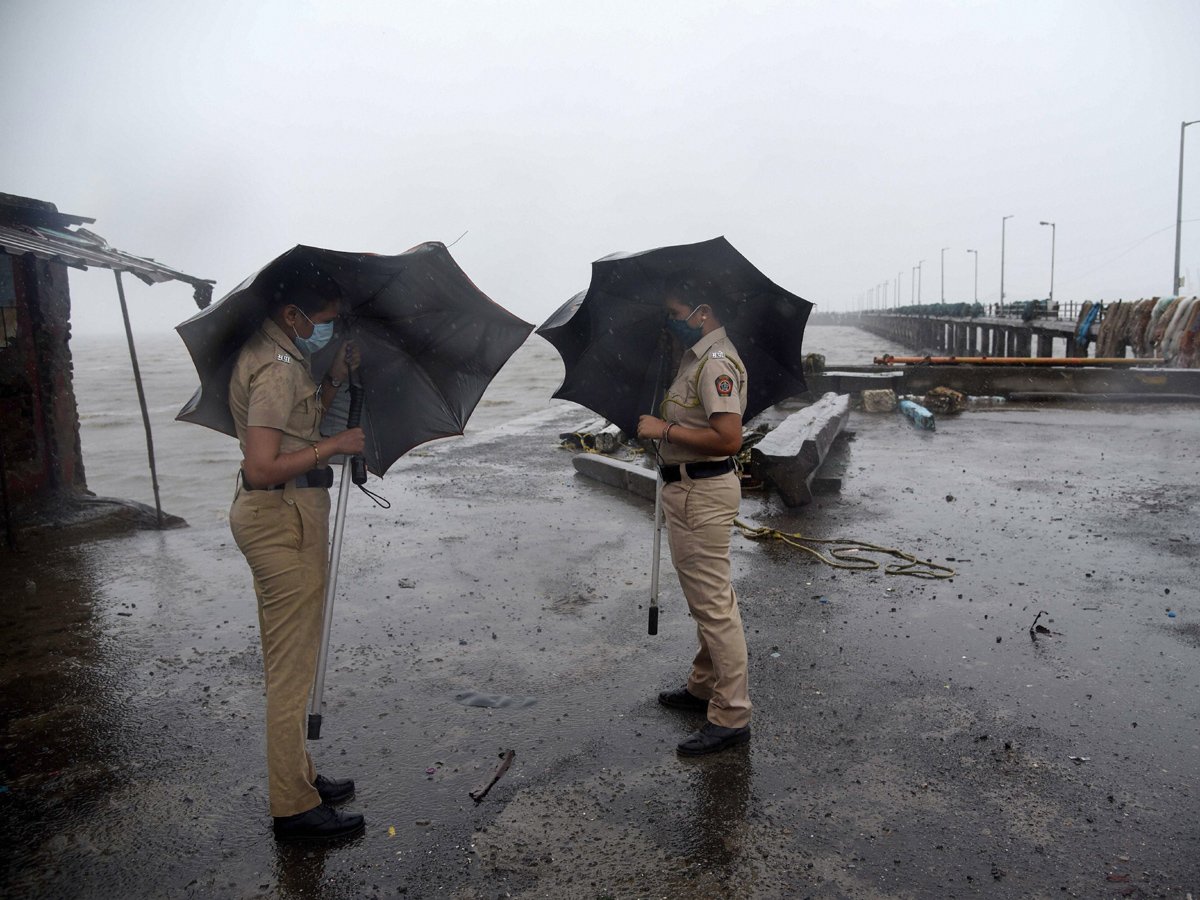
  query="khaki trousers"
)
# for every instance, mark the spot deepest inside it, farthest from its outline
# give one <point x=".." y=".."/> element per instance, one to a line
<point x="284" y="536"/>
<point x="699" y="516"/>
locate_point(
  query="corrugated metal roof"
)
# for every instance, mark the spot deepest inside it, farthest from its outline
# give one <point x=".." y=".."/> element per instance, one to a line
<point x="81" y="248"/>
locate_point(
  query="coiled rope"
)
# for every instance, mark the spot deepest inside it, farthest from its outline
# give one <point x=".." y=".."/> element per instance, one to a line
<point x="910" y="565"/>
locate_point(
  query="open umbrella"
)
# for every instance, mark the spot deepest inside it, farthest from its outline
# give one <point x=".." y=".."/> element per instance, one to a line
<point x="611" y="338"/>
<point x="431" y="342"/>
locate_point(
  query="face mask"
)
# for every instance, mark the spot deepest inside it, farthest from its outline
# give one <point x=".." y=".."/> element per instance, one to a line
<point x="322" y="335"/>
<point x="683" y="332"/>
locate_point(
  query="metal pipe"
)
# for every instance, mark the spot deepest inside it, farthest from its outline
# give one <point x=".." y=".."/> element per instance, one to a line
<point x="137" y="380"/>
<point x="1179" y="208"/>
<point x="888" y="360"/>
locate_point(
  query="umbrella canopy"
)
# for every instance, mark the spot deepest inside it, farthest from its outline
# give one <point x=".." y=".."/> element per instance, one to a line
<point x="431" y="342"/>
<point x="611" y="336"/>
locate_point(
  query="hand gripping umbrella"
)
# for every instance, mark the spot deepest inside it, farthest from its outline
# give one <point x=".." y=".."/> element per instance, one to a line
<point x="430" y="341"/>
<point x="617" y="363"/>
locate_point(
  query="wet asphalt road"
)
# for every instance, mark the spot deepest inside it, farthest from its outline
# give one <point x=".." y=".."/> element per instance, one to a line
<point x="910" y="739"/>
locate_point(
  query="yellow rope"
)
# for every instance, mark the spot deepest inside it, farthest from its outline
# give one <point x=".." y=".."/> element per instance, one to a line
<point x="910" y="566"/>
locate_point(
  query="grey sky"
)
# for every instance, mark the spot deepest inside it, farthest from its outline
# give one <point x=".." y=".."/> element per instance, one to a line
<point x="835" y="144"/>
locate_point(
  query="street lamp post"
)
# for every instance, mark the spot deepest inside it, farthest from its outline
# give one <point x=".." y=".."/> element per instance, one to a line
<point x="1053" y="234"/>
<point x="899" y="275"/>
<point x="920" y="279"/>
<point x="1003" y="223"/>
<point x="976" y="252"/>
<point x="1179" y="206"/>
<point x="944" y="249"/>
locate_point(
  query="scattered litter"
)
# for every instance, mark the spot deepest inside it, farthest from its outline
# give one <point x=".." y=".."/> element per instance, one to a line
<point x="406" y="583"/>
<point x="431" y="771"/>
<point x="391" y="831"/>
<point x="1035" y="629"/>
<point x="462" y="643"/>
<point x="920" y="416"/>
<point x="506" y="759"/>
<point x="1079" y="760"/>
<point x="945" y="400"/>
<point x="774" y="656"/>
<point x="1171" y="615"/>
<point x="823" y="600"/>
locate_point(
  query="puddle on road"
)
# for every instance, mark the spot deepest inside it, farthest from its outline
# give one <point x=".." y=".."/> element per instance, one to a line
<point x="494" y="701"/>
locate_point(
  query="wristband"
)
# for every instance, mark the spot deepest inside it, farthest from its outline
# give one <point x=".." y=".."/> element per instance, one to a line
<point x="667" y="432"/>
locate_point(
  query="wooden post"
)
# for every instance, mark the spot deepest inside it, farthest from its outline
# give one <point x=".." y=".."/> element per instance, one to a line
<point x="137" y="380"/>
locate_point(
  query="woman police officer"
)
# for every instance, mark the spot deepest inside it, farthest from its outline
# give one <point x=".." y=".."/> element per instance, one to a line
<point x="280" y="521"/>
<point x="698" y="434"/>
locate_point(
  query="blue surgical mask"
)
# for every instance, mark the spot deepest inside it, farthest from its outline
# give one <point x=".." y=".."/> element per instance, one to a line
<point x="322" y="335"/>
<point x="686" y="334"/>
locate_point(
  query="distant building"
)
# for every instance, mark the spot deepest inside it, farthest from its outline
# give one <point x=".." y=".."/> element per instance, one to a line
<point x="40" y="457"/>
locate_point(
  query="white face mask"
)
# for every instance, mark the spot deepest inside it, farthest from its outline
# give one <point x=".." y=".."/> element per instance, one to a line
<point x="322" y="335"/>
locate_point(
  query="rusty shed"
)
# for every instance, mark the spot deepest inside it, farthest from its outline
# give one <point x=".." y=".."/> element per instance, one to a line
<point x="41" y="463"/>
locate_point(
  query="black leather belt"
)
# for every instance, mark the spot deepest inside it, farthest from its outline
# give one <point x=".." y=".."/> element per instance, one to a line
<point x="697" y="470"/>
<point x="313" y="478"/>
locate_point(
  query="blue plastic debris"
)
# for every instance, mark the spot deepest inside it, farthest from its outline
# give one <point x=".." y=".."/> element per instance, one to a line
<point x="1172" y="615"/>
<point x="823" y="600"/>
<point x="919" y="415"/>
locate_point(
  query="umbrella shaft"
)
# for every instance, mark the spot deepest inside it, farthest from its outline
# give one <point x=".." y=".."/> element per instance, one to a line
<point x="657" y="552"/>
<point x="335" y="556"/>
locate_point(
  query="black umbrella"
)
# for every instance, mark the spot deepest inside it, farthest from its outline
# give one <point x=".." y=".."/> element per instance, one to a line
<point x="431" y="342"/>
<point x="611" y="338"/>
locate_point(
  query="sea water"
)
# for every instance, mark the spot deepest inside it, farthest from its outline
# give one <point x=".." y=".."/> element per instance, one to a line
<point x="197" y="466"/>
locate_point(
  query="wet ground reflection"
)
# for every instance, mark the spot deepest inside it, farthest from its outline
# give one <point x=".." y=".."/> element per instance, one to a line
<point x="63" y="710"/>
<point x="712" y="832"/>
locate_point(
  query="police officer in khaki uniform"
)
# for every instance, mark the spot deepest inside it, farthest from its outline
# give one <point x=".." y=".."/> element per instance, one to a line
<point x="280" y="521"/>
<point x="698" y="434"/>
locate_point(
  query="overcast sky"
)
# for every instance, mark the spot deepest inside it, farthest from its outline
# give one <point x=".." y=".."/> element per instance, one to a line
<point x="835" y="144"/>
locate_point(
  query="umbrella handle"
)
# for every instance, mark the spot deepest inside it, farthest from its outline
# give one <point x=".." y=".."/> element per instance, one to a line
<point x="358" y="465"/>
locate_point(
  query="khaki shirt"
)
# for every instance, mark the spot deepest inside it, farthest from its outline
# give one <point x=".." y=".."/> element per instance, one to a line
<point x="711" y="380"/>
<point x="272" y="387"/>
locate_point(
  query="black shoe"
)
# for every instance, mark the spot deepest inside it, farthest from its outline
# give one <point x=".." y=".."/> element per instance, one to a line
<point x="321" y="823"/>
<point x="334" y="790"/>
<point x="682" y="698"/>
<point x="712" y="738"/>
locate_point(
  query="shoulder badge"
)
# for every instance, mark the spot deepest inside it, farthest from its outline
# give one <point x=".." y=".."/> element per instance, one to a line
<point x="283" y="357"/>
<point x="724" y="385"/>
<point x="718" y="354"/>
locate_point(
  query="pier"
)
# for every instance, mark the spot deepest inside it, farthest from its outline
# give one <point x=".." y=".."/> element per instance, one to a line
<point x="978" y="336"/>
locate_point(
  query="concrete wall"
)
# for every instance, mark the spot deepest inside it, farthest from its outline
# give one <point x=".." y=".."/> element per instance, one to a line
<point x="39" y="424"/>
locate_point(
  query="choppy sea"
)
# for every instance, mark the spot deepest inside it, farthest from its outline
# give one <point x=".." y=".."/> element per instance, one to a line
<point x="197" y="466"/>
